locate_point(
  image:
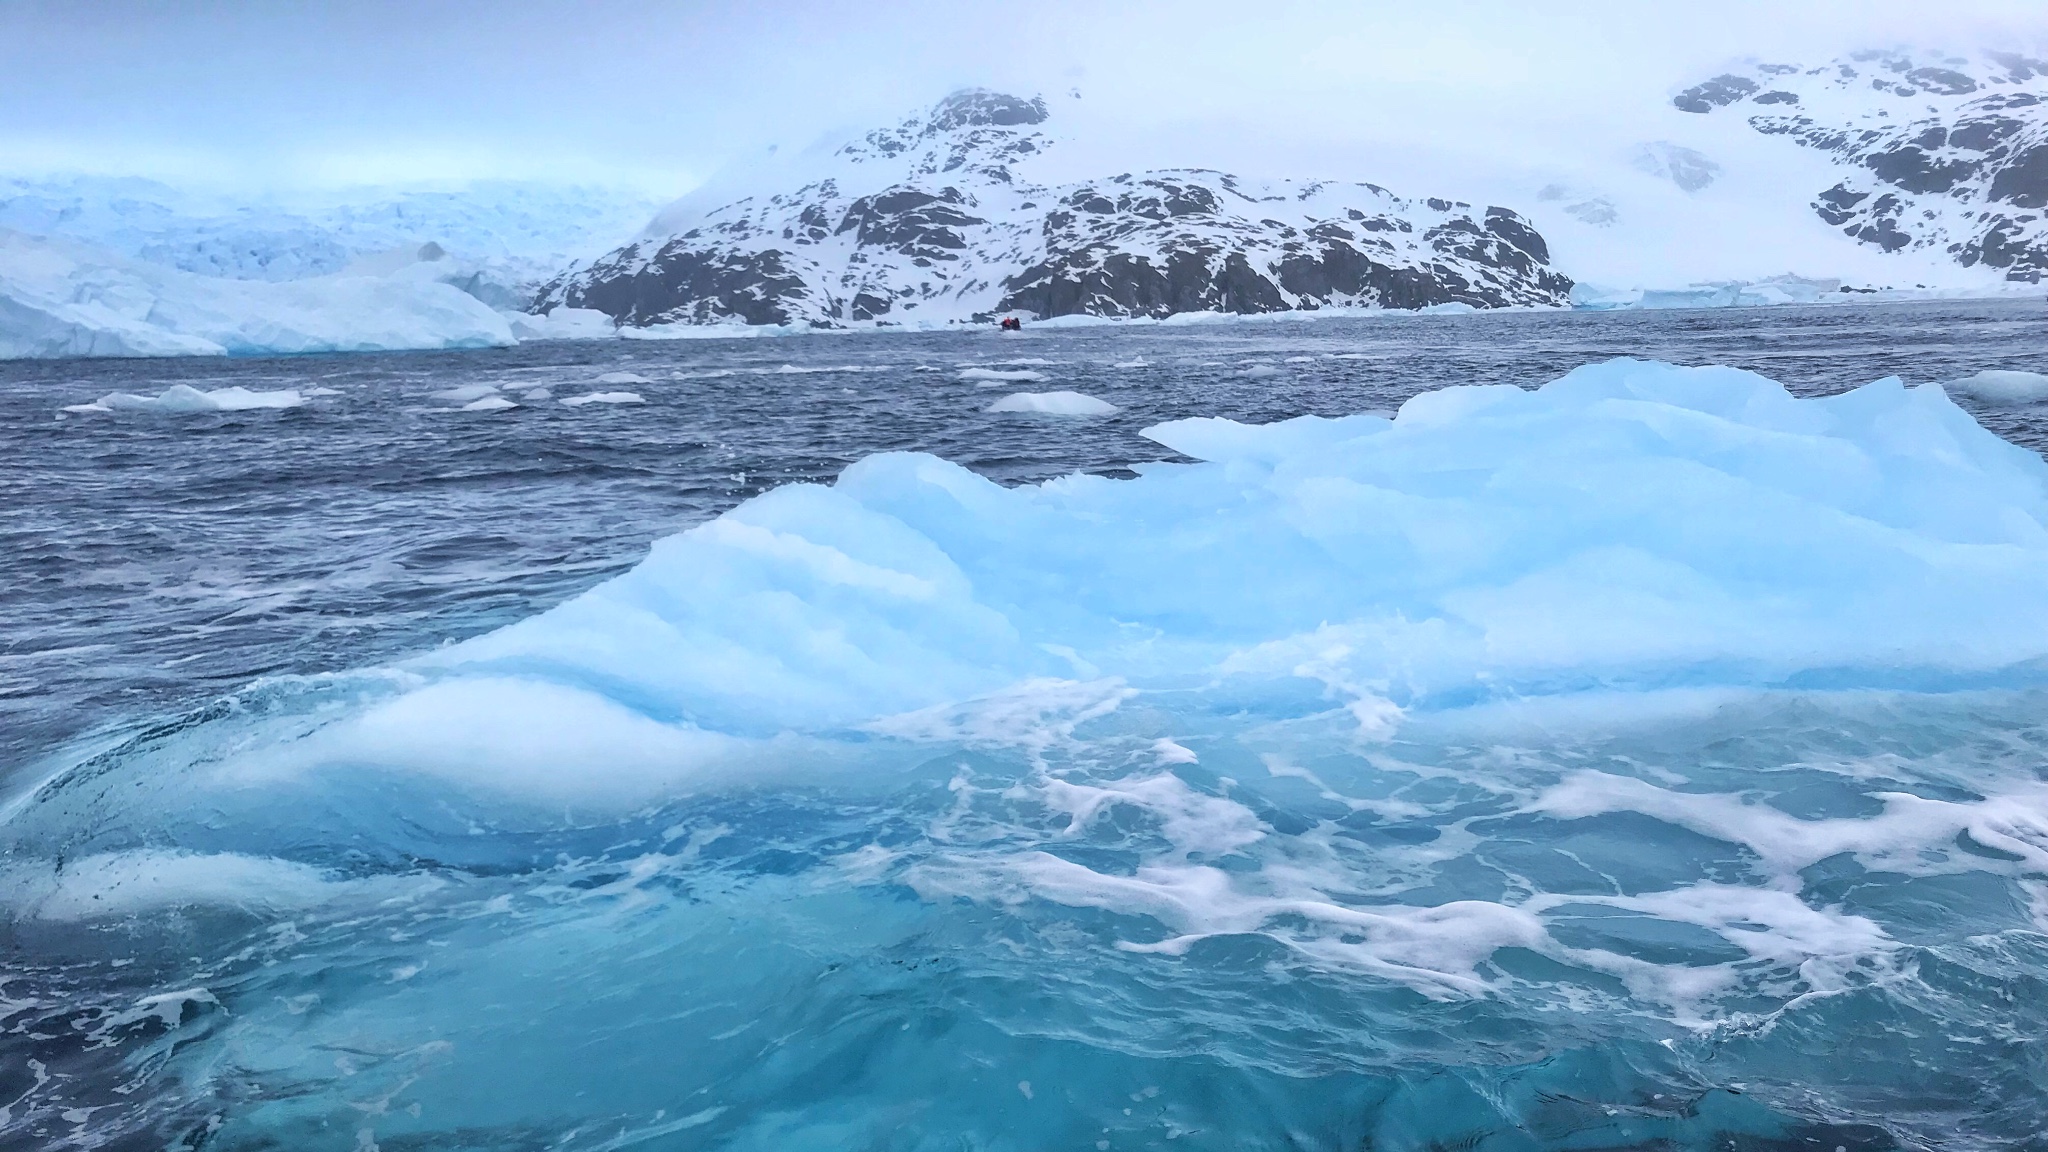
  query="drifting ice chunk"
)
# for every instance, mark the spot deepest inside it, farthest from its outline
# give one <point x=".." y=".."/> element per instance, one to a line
<point x="1630" y="524"/>
<point x="605" y="398"/>
<point x="2004" y="387"/>
<point x="997" y="376"/>
<point x="623" y="378"/>
<point x="562" y="324"/>
<point x="1054" y="404"/>
<point x="489" y="404"/>
<point x="465" y="393"/>
<point x="185" y="398"/>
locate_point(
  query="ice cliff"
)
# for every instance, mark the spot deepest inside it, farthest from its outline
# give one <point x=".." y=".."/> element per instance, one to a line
<point x="60" y="297"/>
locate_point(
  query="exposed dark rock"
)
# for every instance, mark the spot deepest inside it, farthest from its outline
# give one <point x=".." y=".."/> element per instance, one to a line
<point x="684" y="283"/>
<point x="1719" y="92"/>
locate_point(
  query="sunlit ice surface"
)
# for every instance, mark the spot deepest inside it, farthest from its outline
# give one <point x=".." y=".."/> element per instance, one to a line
<point x="1648" y="759"/>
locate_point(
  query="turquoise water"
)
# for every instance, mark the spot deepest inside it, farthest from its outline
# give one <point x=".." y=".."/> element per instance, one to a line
<point x="1126" y="863"/>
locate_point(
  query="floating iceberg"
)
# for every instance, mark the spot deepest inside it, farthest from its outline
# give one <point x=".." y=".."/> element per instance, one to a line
<point x="562" y="324"/>
<point x="185" y="398"/>
<point x="1054" y="404"/>
<point x="998" y="376"/>
<point x="61" y="298"/>
<point x="623" y="378"/>
<point x="1630" y="524"/>
<point x="489" y="404"/>
<point x="2005" y="386"/>
<point x="604" y="398"/>
<point x="464" y="393"/>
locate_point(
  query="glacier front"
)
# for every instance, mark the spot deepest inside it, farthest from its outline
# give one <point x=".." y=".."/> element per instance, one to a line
<point x="61" y="297"/>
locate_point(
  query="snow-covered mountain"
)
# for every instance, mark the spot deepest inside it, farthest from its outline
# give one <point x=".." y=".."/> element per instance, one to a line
<point x="940" y="219"/>
<point x="1936" y="153"/>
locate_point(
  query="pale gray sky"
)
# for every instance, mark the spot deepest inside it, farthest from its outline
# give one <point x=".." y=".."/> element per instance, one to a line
<point x="266" y="94"/>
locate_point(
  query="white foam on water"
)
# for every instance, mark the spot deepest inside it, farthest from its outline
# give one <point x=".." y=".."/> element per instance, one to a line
<point x="1897" y="840"/>
<point x="116" y="884"/>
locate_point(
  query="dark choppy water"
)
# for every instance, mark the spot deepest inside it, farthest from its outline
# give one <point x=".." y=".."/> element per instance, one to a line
<point x="703" y="973"/>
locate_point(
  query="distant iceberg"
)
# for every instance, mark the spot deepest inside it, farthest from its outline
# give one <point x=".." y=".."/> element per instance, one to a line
<point x="2003" y="386"/>
<point x="63" y="298"/>
<point x="185" y="398"/>
<point x="1054" y="404"/>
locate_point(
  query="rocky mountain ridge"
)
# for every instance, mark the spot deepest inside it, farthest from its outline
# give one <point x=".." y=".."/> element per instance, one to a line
<point x="938" y="220"/>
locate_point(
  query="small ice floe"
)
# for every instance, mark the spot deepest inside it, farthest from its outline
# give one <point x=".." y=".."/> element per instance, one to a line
<point x="1140" y="362"/>
<point x="1258" y="371"/>
<point x="603" y="398"/>
<point x="2003" y="386"/>
<point x="996" y="376"/>
<point x="312" y="392"/>
<point x="1054" y="404"/>
<point x="814" y="369"/>
<point x="185" y="398"/>
<point x="532" y="394"/>
<point x="623" y="378"/>
<point x="489" y="404"/>
<point x="464" y="394"/>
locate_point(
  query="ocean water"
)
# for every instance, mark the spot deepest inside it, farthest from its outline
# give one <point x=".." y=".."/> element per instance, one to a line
<point x="1061" y="912"/>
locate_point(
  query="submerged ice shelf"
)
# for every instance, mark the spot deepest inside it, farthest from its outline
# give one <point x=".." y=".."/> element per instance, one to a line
<point x="1531" y="769"/>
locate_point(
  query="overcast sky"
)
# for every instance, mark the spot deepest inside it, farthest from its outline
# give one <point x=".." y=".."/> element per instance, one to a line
<point x="259" y="94"/>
